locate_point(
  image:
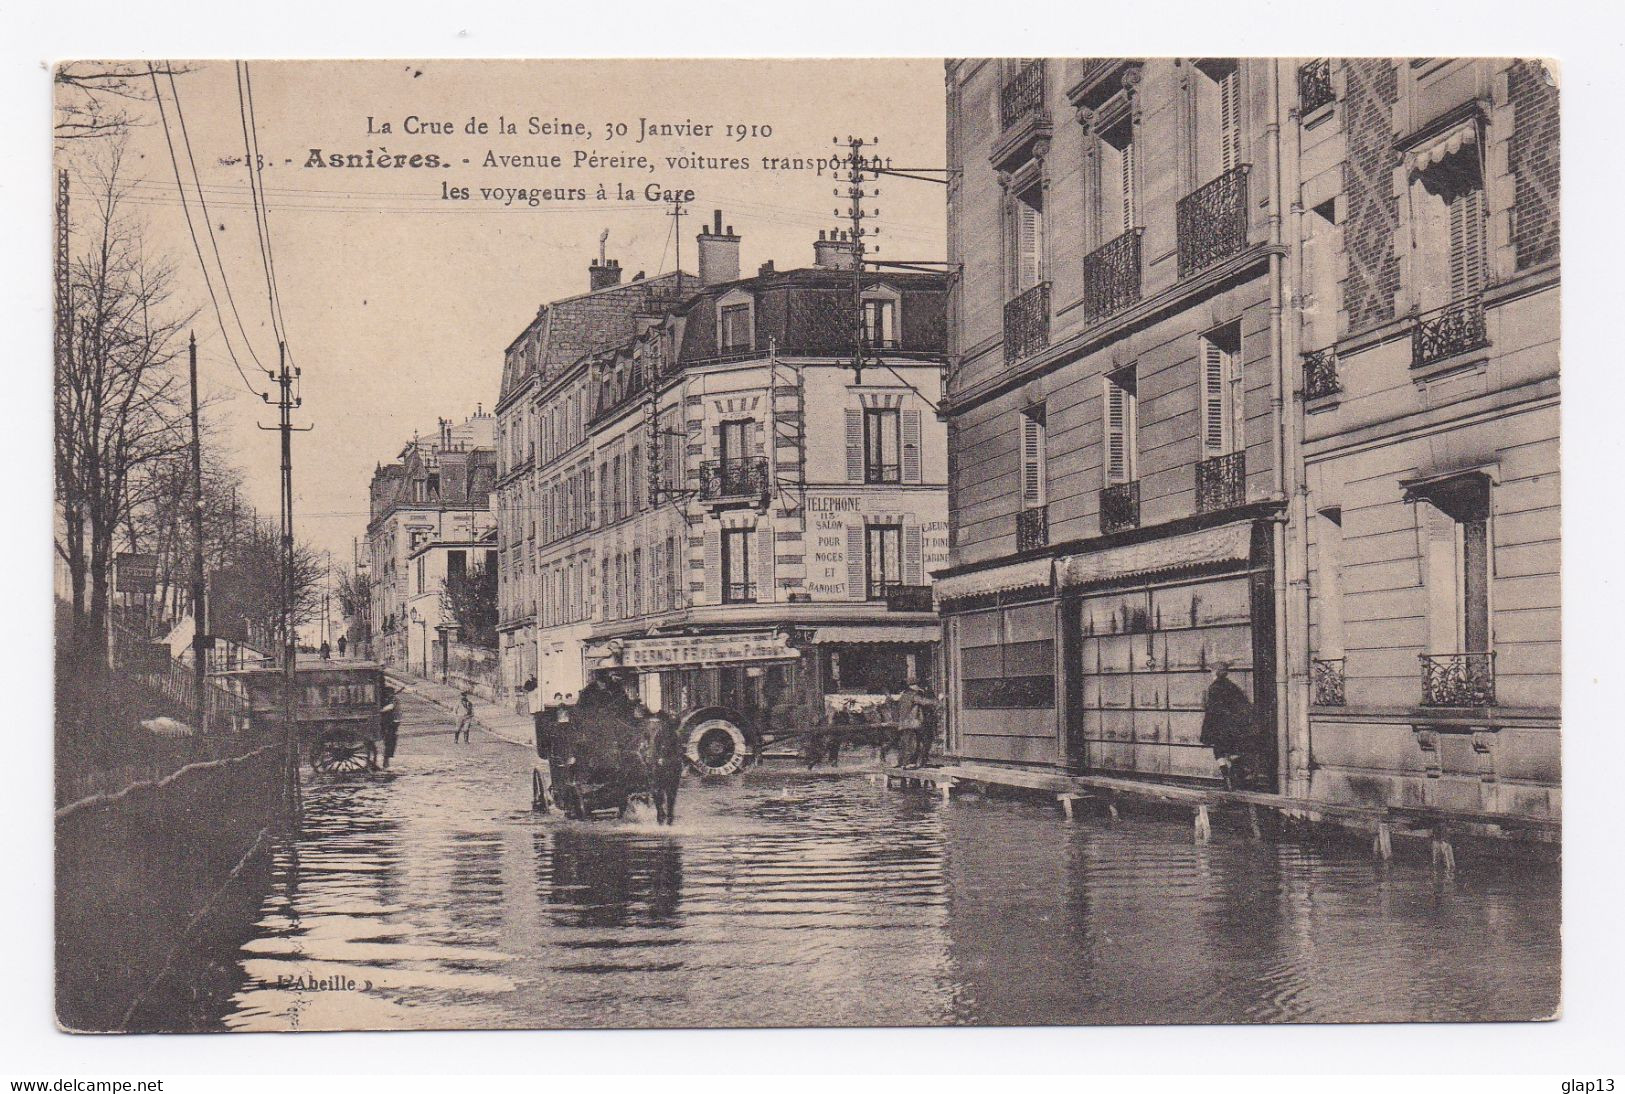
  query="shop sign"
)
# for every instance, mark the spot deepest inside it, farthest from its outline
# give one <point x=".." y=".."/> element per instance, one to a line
<point x="136" y="573"/>
<point x="688" y="651"/>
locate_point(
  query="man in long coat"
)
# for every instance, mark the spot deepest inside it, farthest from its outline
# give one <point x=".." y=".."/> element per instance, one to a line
<point x="1229" y="726"/>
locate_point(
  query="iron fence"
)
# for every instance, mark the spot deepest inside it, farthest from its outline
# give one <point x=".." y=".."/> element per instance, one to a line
<point x="1026" y="323"/>
<point x="1315" y="86"/>
<point x="744" y="477"/>
<point x="1458" y="679"/>
<point x="1212" y="221"/>
<point x="1032" y="528"/>
<point x="1111" y="275"/>
<point x="1120" y="507"/>
<point x="1221" y="482"/>
<point x="1327" y="681"/>
<point x="1022" y="95"/>
<point x="1320" y="376"/>
<point x="1444" y="332"/>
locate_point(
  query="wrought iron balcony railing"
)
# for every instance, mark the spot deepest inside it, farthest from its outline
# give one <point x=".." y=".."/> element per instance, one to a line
<point x="1212" y="221"/>
<point x="1032" y="528"/>
<point x="1221" y="482"/>
<point x="1026" y="323"/>
<point x="1458" y="679"/>
<point x="1447" y="331"/>
<point x="882" y="472"/>
<point x="1320" y="373"/>
<point x="739" y="592"/>
<point x="1326" y="680"/>
<point x="1022" y="95"/>
<point x="1120" y="507"/>
<point x="728" y="480"/>
<point x="1111" y="276"/>
<point x="903" y="598"/>
<point x="1314" y="86"/>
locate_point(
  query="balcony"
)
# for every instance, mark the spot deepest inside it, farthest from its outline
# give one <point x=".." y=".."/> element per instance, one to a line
<point x="743" y="481"/>
<point x="1212" y="222"/>
<point x="1314" y="86"/>
<point x="1320" y="374"/>
<point x="1221" y="482"/>
<point x="1445" y="332"/>
<point x="1022" y="95"/>
<point x="1032" y="528"/>
<point x="882" y="473"/>
<point x="903" y="598"/>
<point x="1326" y="682"/>
<point x="1111" y="276"/>
<point x="1458" y="679"/>
<point x="1026" y="323"/>
<point x="1120" y="507"/>
<point x="739" y="592"/>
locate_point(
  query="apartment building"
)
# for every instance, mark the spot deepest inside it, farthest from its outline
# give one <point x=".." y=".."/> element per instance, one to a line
<point x="1255" y="365"/>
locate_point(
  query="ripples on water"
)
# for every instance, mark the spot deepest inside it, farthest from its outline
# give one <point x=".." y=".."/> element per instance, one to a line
<point x="790" y="899"/>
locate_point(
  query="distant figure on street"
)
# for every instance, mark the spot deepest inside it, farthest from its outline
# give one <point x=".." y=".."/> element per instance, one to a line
<point x="343" y="642"/>
<point x="465" y="718"/>
<point x="326" y="651"/>
<point x="1229" y="727"/>
<point x="391" y="717"/>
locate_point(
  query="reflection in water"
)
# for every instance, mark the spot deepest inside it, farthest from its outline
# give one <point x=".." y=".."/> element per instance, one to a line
<point x="434" y="899"/>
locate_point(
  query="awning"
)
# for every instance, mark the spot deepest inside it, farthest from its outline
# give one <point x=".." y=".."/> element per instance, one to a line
<point x="1019" y="575"/>
<point x="1448" y="143"/>
<point x="889" y="632"/>
<point x="1210" y="546"/>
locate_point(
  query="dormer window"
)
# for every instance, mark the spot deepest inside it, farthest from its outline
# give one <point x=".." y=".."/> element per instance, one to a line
<point x="734" y="324"/>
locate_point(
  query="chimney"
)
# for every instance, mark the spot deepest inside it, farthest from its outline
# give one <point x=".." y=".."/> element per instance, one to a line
<point x="719" y="253"/>
<point x="834" y="251"/>
<point x="605" y="274"/>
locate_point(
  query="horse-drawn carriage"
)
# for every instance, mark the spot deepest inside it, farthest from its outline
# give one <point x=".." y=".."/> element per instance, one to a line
<point x="338" y="711"/>
<point x="604" y="752"/>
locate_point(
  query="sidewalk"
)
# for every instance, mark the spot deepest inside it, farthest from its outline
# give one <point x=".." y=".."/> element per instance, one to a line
<point x="499" y="722"/>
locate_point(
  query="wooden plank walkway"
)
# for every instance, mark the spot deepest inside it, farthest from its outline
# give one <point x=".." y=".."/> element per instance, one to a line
<point x="1438" y="825"/>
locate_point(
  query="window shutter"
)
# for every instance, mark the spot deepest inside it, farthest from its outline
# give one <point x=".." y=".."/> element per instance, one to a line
<point x="1116" y="433"/>
<point x="1230" y="119"/>
<point x="1032" y="461"/>
<point x="1466" y="244"/>
<point x="1028" y="263"/>
<point x="855" y="567"/>
<point x="1129" y="212"/>
<point x="911" y="446"/>
<point x="713" y="566"/>
<point x="913" y="555"/>
<point x="854" y="445"/>
<point x="762" y="570"/>
<point x="1214" y="419"/>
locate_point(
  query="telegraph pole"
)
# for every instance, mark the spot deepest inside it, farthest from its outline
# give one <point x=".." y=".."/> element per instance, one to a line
<point x="286" y="402"/>
<point x="200" y="615"/>
<point x="677" y="214"/>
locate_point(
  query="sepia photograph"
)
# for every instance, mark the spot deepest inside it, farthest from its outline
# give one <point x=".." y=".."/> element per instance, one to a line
<point x="754" y="543"/>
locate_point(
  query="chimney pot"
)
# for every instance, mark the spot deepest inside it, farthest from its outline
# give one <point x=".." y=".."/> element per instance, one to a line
<point x="719" y="253"/>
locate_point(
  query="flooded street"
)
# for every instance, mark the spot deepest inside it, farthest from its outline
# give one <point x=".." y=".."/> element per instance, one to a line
<point x="430" y="897"/>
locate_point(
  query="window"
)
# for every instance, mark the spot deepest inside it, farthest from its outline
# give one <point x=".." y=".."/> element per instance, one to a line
<point x="734" y="441"/>
<point x="1033" y="484"/>
<point x="733" y="328"/>
<point x="456" y="564"/>
<point x="1447" y="208"/>
<point x="1329" y="584"/>
<point x="1455" y="518"/>
<point x="603" y="587"/>
<point x="673" y="573"/>
<point x="1218" y="117"/>
<point x="880" y="323"/>
<point x="1118" y="212"/>
<point x="1221" y="391"/>
<point x="1026" y="236"/>
<point x="634" y="476"/>
<point x="1321" y="247"/>
<point x="1122" y="414"/>
<point x="881" y="443"/>
<point x="420" y="573"/>
<point x="637" y="581"/>
<point x="737" y="584"/>
<point x="884" y="557"/>
<point x="619" y="487"/>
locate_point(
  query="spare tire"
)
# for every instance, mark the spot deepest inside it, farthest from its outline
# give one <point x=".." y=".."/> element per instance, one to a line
<point x="715" y="745"/>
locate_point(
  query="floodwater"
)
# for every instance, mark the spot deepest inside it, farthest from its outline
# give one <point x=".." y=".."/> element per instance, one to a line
<point x="430" y="897"/>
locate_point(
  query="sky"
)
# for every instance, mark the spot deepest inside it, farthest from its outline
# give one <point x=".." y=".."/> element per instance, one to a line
<point x="397" y="302"/>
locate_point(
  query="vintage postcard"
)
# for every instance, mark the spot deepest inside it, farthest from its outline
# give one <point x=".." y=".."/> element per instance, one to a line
<point x="744" y="543"/>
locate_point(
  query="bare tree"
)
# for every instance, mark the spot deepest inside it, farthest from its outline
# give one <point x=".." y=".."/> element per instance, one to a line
<point x="118" y="401"/>
<point x="355" y="601"/>
<point x="95" y="98"/>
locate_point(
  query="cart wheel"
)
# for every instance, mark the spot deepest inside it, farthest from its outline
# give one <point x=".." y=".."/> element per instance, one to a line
<point x="717" y="747"/>
<point x="339" y="754"/>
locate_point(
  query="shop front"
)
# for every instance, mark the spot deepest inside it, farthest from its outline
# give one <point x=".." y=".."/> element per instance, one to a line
<point x="1145" y="629"/>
